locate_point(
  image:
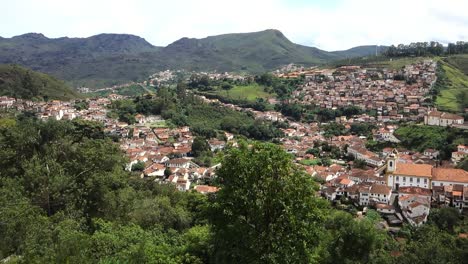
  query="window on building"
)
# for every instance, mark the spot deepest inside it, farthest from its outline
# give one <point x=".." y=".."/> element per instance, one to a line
<point x="411" y="179"/>
<point x="404" y="179"/>
<point x="418" y="180"/>
<point x="425" y="180"/>
<point x="397" y="178"/>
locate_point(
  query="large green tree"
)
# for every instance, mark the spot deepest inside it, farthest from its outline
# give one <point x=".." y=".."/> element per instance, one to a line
<point x="266" y="210"/>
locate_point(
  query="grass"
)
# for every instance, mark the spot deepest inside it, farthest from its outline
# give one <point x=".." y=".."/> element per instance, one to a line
<point x="132" y="90"/>
<point x="250" y="92"/>
<point x="454" y="93"/>
<point x="310" y="162"/>
<point x="159" y="124"/>
<point x="459" y="61"/>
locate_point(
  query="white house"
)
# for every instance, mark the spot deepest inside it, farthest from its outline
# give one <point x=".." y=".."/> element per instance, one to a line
<point x="460" y="154"/>
<point x="436" y="118"/>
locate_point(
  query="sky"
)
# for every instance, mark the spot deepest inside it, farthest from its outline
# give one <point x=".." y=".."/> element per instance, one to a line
<point x="326" y="24"/>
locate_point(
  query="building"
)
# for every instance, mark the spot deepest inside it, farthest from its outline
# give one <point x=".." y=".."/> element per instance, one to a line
<point x="436" y="118"/>
<point x="180" y="163"/>
<point x="449" y="177"/>
<point x="374" y="194"/>
<point x="460" y="154"/>
<point x="407" y="175"/>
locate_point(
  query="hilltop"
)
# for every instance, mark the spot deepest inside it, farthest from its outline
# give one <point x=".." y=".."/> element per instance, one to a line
<point x="109" y="59"/>
<point x="19" y="82"/>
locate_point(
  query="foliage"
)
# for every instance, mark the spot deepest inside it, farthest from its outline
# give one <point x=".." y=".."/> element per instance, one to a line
<point x="19" y="82"/>
<point x="415" y="49"/>
<point x="420" y="138"/>
<point x="65" y="197"/>
<point x="451" y="87"/>
<point x="199" y="146"/>
<point x="265" y="211"/>
<point x="445" y="218"/>
<point x="139" y="166"/>
<point x="353" y="241"/>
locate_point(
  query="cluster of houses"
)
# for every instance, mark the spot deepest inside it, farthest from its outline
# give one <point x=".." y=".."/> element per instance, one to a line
<point x="407" y="190"/>
<point x="394" y="94"/>
<point x="163" y="152"/>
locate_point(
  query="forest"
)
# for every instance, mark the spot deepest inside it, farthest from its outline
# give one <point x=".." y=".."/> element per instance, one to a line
<point x="66" y="198"/>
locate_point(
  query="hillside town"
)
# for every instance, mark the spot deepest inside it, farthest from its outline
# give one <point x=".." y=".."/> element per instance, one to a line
<point x="402" y="185"/>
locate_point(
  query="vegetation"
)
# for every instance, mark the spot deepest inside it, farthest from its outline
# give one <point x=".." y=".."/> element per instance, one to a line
<point x="249" y="92"/>
<point x="419" y="138"/>
<point x="66" y="198"/>
<point x="309" y="113"/>
<point x="19" y="82"/>
<point x="131" y="90"/>
<point x="205" y="120"/>
<point x="452" y="86"/>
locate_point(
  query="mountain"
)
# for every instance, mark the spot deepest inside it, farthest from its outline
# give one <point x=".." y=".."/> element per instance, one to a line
<point x="108" y="59"/>
<point x="360" y="51"/>
<point x="20" y="82"/>
<point x="254" y="52"/>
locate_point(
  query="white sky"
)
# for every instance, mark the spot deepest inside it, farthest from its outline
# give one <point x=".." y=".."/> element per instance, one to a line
<point x="329" y="25"/>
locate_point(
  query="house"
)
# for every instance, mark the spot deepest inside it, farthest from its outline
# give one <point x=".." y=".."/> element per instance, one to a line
<point x="415" y="208"/>
<point x="180" y="163"/>
<point x="444" y="177"/>
<point x="373" y="194"/>
<point x="154" y="170"/>
<point x="216" y="144"/>
<point x="460" y="154"/>
<point x="384" y="208"/>
<point x="204" y="189"/>
<point x="431" y="153"/>
<point x="436" y="118"/>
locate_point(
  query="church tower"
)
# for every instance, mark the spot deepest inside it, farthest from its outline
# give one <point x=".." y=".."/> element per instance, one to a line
<point x="391" y="161"/>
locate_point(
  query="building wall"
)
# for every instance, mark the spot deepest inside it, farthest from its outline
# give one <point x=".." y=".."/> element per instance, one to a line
<point x="447" y="183"/>
<point x="407" y="181"/>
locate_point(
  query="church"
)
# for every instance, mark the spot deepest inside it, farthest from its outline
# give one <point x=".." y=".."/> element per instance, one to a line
<point x="421" y="175"/>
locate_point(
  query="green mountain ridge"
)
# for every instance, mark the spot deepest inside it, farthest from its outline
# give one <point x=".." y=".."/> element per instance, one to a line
<point x="19" y="82"/>
<point x="109" y="59"/>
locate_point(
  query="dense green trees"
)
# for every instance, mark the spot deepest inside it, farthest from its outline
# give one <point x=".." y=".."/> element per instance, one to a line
<point x="444" y="139"/>
<point x="66" y="198"/>
<point x="266" y="210"/>
<point x="415" y="49"/>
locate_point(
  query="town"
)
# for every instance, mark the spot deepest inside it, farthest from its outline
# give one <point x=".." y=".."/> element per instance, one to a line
<point x="401" y="184"/>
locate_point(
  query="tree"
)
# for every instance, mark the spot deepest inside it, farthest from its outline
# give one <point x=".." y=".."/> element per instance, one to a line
<point x="199" y="146"/>
<point x="139" y="166"/>
<point x="445" y="218"/>
<point x="167" y="172"/>
<point x="266" y="210"/>
<point x="351" y="240"/>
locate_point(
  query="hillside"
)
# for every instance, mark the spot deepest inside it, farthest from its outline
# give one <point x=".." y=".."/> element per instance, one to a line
<point x="19" y="82"/>
<point x="253" y="52"/>
<point x="109" y="59"/>
<point x="360" y="51"/>
<point x="453" y="83"/>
